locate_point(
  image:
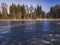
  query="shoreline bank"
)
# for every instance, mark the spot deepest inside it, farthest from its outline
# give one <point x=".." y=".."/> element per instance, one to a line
<point x="29" y="20"/>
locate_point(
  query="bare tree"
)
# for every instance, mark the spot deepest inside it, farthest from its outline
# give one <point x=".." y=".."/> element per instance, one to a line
<point x="4" y="10"/>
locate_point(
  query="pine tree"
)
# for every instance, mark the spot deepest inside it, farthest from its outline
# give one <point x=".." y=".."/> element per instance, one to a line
<point x="23" y="11"/>
<point x="54" y="12"/>
<point x="39" y="9"/>
<point x="0" y="15"/>
<point x="35" y="15"/>
<point x="13" y="11"/>
<point x="18" y="12"/>
<point x="31" y="11"/>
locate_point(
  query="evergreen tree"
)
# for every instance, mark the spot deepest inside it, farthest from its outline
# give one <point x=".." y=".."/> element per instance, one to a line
<point x="54" y="12"/>
<point x="23" y="11"/>
<point x="35" y="13"/>
<point x="31" y="11"/>
<point x="18" y="12"/>
<point x="13" y="11"/>
<point x="0" y="15"/>
<point x="39" y="13"/>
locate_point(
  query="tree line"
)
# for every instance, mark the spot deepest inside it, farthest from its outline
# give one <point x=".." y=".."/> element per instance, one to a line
<point x="54" y="12"/>
<point x="25" y="12"/>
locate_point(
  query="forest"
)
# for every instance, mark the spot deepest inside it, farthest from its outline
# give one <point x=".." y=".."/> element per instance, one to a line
<point x="25" y="12"/>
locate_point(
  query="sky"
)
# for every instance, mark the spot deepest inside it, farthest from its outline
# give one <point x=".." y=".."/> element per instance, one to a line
<point x="46" y="4"/>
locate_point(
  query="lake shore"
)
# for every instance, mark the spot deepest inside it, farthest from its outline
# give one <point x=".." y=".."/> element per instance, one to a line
<point x="30" y="19"/>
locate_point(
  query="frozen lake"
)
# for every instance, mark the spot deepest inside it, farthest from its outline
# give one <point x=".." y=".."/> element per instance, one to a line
<point x="30" y="33"/>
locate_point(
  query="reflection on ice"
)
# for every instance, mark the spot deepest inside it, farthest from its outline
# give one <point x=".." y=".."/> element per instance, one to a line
<point x="58" y="23"/>
<point x="46" y="26"/>
<point x="4" y="27"/>
<point x="30" y="26"/>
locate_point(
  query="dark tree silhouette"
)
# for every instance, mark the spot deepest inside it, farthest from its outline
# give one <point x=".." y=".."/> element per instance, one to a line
<point x="54" y="12"/>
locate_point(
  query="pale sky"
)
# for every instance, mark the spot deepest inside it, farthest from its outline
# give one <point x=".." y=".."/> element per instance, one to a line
<point x="46" y="4"/>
